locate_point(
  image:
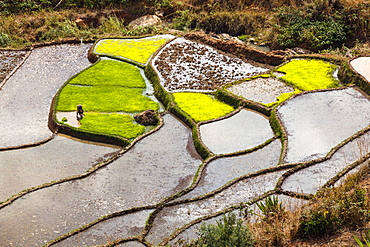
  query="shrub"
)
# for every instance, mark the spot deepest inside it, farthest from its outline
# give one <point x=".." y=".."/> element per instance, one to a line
<point x="334" y="210"/>
<point x="229" y="231"/>
<point x="4" y="39"/>
<point x="309" y="28"/>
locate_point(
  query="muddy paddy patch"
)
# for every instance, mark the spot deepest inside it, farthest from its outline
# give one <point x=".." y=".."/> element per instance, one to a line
<point x="9" y="60"/>
<point x="134" y="180"/>
<point x="220" y="171"/>
<point x="109" y="230"/>
<point x="311" y="179"/>
<point x="244" y="130"/>
<point x="317" y="122"/>
<point x="172" y="218"/>
<point x="185" y="65"/>
<point x="26" y="97"/>
<point x="59" y="158"/>
<point x="262" y="89"/>
<point x="362" y="66"/>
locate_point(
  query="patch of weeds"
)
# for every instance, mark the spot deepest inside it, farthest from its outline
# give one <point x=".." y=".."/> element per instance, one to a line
<point x="109" y="72"/>
<point x="4" y="39"/>
<point x="365" y="239"/>
<point x="113" y="124"/>
<point x="283" y="97"/>
<point x="229" y="231"/>
<point x="138" y="50"/>
<point x="309" y="74"/>
<point x="201" y="107"/>
<point x="272" y="207"/>
<point x="334" y="209"/>
<point x="104" y="99"/>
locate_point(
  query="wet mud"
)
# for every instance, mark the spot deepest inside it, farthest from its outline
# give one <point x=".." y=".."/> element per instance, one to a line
<point x="163" y="163"/>
<point x="26" y="97"/>
<point x="9" y="60"/>
<point x="311" y="179"/>
<point x="244" y="130"/>
<point x="220" y="171"/>
<point x="135" y="179"/>
<point x="317" y="122"/>
<point x="57" y="159"/>
<point x="177" y="216"/>
<point x="262" y="90"/>
<point x="184" y="65"/>
<point x="109" y="230"/>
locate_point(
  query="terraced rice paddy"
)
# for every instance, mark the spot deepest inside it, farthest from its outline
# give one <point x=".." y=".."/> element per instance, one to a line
<point x="61" y="191"/>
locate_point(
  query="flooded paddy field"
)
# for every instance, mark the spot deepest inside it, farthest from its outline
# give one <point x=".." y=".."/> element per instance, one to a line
<point x="317" y="122"/>
<point x="362" y="65"/>
<point x="9" y="60"/>
<point x="26" y="97"/>
<point x="244" y="130"/>
<point x="264" y="90"/>
<point x="159" y="189"/>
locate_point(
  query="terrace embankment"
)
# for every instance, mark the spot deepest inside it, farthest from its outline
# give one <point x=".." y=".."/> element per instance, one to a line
<point x="229" y="46"/>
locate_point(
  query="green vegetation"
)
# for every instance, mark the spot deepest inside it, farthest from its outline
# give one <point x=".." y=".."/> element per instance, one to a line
<point x="109" y="72"/>
<point x="104" y="99"/>
<point x="309" y="75"/>
<point x="138" y="50"/>
<point x="112" y="124"/>
<point x="365" y="239"/>
<point x="109" y="86"/>
<point x="201" y="107"/>
<point x="229" y="231"/>
<point x="282" y="97"/>
<point x="333" y="211"/>
<point x="272" y="207"/>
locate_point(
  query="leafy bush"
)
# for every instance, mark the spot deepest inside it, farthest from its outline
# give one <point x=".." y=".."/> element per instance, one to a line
<point x="60" y="29"/>
<point x="229" y="231"/>
<point x="300" y="28"/>
<point x="4" y="39"/>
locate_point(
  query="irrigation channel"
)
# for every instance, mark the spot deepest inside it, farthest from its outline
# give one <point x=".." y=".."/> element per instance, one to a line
<point x="61" y="191"/>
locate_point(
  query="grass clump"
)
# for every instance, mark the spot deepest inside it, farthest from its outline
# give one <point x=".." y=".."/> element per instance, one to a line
<point x="109" y="72"/>
<point x="309" y="75"/>
<point x="112" y="124"/>
<point x="104" y="99"/>
<point x="201" y="107"/>
<point x="138" y="50"/>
